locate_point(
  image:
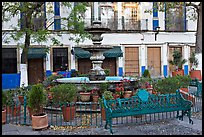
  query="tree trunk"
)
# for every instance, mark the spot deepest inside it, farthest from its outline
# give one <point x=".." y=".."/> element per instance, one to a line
<point x="199" y="31"/>
<point x="198" y="47"/>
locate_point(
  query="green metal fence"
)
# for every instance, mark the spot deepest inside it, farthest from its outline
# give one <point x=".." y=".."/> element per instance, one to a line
<point x="87" y="114"/>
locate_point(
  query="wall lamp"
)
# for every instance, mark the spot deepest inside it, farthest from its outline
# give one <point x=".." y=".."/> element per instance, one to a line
<point x="157" y="32"/>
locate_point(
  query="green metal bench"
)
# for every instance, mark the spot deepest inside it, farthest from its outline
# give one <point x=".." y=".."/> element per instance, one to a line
<point x="198" y="84"/>
<point x="145" y="103"/>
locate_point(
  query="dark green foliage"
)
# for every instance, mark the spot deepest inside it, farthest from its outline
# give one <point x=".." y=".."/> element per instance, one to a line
<point x="193" y="59"/>
<point x="177" y="60"/>
<point x="146" y="74"/>
<point x="3" y="99"/>
<point x="184" y="81"/>
<point x="108" y="95"/>
<point x="63" y="93"/>
<point x="107" y="72"/>
<point x="50" y="81"/>
<point x="37" y="98"/>
<point x="10" y="95"/>
<point x="167" y="85"/>
<point x="104" y="87"/>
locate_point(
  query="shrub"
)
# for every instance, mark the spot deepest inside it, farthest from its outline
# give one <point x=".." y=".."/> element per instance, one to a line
<point x="64" y="93"/>
<point x="37" y="98"/>
<point x="167" y="85"/>
<point x="3" y="99"/>
<point x="146" y="74"/>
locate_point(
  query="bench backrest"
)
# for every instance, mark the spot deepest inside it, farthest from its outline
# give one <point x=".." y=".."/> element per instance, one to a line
<point x="145" y="100"/>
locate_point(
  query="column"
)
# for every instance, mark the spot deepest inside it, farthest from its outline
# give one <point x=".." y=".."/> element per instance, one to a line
<point x="164" y="59"/>
<point x="185" y="56"/>
<point x="142" y="58"/>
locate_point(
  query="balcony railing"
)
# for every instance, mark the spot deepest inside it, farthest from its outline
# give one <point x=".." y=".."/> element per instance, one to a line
<point x="120" y="24"/>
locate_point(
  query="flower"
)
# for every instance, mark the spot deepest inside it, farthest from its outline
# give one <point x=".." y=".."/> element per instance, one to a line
<point x="94" y="92"/>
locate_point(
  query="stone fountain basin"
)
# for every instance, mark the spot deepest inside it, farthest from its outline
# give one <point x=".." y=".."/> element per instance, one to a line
<point x="78" y="80"/>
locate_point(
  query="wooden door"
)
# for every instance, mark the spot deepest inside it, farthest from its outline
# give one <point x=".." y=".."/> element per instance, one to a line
<point x="154" y="61"/>
<point x="132" y="61"/>
<point x="110" y="63"/>
<point x="35" y="71"/>
<point x="192" y="49"/>
<point x="84" y="66"/>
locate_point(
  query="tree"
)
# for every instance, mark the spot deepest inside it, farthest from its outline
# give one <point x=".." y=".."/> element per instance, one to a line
<point x="31" y="33"/>
<point x="197" y="14"/>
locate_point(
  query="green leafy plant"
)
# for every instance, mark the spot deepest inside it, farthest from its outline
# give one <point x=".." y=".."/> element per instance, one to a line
<point x="10" y="95"/>
<point x="63" y="93"/>
<point x="146" y="73"/>
<point x="184" y="81"/>
<point x="37" y="98"/>
<point x="107" y="72"/>
<point x="108" y="95"/>
<point x="104" y="87"/>
<point x="167" y="85"/>
<point x="177" y="60"/>
<point x="85" y="87"/>
<point x="193" y="60"/>
<point x="145" y="82"/>
<point x="4" y="98"/>
<point x="50" y="81"/>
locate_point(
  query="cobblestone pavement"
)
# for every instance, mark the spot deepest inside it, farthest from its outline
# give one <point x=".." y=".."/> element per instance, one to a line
<point x="167" y="127"/>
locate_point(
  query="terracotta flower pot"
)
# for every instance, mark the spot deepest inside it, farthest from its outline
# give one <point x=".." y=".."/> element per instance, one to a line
<point x="195" y="74"/>
<point x="15" y="111"/>
<point x="95" y="98"/>
<point x="184" y="89"/>
<point x="85" y="96"/>
<point x="127" y="94"/>
<point x="103" y="114"/>
<point x="39" y="121"/>
<point x="21" y="99"/>
<point x="68" y="112"/>
<point x="3" y="116"/>
<point x="188" y="96"/>
<point x="179" y="72"/>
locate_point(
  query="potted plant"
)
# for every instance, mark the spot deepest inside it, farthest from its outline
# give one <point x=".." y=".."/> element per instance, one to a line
<point x="193" y="72"/>
<point x="36" y="102"/>
<point x="108" y="95"/>
<point x="177" y="62"/>
<point x="127" y="88"/>
<point x="3" y="107"/>
<point x="12" y="106"/>
<point x="103" y="87"/>
<point x="146" y="73"/>
<point x="184" y="82"/>
<point x="167" y="85"/>
<point x="85" y="94"/>
<point x="22" y="91"/>
<point x="65" y="94"/>
<point x="119" y="91"/>
<point x="95" y="96"/>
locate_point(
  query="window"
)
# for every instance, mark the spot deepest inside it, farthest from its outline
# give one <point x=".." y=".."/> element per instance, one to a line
<point x="39" y="19"/>
<point x="60" y="59"/>
<point x="175" y="18"/>
<point x="9" y="60"/>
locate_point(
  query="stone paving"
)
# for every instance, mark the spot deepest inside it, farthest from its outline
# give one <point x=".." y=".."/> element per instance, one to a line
<point x="167" y="127"/>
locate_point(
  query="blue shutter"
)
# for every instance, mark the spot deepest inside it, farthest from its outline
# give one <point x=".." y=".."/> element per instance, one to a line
<point x="57" y="20"/>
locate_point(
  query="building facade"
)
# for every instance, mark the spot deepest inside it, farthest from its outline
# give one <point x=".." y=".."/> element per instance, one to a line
<point x="145" y="40"/>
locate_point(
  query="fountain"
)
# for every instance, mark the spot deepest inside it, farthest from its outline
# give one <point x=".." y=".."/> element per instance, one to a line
<point x="96" y="50"/>
<point x="97" y="74"/>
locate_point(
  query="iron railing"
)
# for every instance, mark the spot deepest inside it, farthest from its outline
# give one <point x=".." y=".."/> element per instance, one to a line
<point x="89" y="114"/>
<point x="120" y="24"/>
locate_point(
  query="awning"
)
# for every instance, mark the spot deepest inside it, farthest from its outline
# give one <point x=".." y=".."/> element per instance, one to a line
<point x="114" y="52"/>
<point x="36" y="53"/>
<point x="81" y="53"/>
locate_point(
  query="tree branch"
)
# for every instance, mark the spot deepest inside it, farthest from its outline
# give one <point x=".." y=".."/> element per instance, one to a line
<point x="193" y="5"/>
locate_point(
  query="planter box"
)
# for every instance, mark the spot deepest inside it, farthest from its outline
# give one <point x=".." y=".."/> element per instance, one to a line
<point x="179" y="72"/>
<point x="195" y="74"/>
